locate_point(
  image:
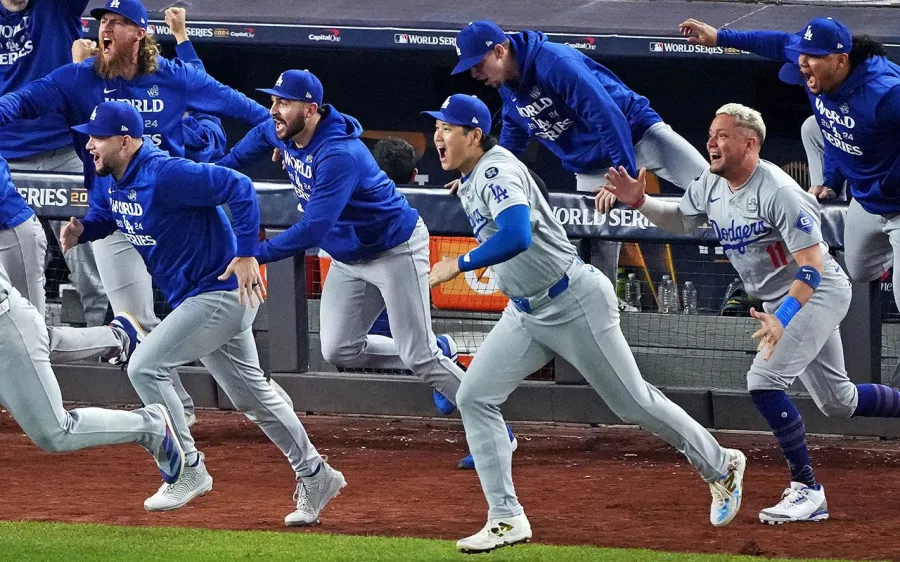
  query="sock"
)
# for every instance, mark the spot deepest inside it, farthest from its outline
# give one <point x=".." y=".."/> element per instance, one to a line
<point x="787" y="425"/>
<point x="314" y="472"/>
<point x="877" y="401"/>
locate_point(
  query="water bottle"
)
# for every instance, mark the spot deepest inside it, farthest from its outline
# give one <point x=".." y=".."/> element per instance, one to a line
<point x="674" y="304"/>
<point x="633" y="292"/>
<point x="665" y="301"/>
<point x="690" y="298"/>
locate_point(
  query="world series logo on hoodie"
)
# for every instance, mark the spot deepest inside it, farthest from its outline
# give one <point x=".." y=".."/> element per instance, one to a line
<point x="15" y="42"/>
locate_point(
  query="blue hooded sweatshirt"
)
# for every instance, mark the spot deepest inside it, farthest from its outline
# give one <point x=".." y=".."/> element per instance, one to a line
<point x="204" y="137"/>
<point x="860" y="121"/>
<point x="13" y="209"/>
<point x="352" y="210"/>
<point x="576" y="107"/>
<point x="168" y="208"/>
<point x="161" y="97"/>
<point x="35" y="42"/>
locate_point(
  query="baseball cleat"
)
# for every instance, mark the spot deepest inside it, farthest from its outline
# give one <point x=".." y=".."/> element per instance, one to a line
<point x="505" y="531"/>
<point x="443" y="404"/>
<point x="798" y="503"/>
<point x="169" y="455"/>
<point x="448" y="347"/>
<point x="313" y="493"/>
<point x="195" y="481"/>
<point x="130" y="332"/>
<point x="468" y="463"/>
<point x="728" y="490"/>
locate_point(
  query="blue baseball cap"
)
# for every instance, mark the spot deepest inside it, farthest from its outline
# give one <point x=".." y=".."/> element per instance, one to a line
<point x="820" y="37"/>
<point x="112" y="118"/>
<point x="474" y="41"/>
<point x="790" y="74"/>
<point x="460" y="109"/>
<point x="301" y="85"/>
<point x="131" y="10"/>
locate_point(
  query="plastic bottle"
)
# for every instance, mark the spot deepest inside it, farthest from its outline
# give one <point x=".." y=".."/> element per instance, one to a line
<point x="665" y="301"/>
<point x="690" y="298"/>
<point x="675" y="304"/>
<point x="633" y="291"/>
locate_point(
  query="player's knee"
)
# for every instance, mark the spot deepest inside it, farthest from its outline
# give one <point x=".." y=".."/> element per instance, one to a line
<point x="338" y="354"/>
<point x="469" y="397"/>
<point x="49" y="438"/>
<point x="837" y="409"/>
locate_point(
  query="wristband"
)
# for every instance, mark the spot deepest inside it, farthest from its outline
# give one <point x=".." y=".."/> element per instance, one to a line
<point x="789" y="307"/>
<point x="810" y="276"/>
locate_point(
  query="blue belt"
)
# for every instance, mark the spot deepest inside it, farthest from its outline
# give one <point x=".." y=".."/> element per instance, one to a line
<point x="526" y="304"/>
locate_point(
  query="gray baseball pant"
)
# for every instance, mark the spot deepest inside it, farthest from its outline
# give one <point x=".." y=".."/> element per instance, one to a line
<point x="29" y="390"/>
<point x="811" y="350"/>
<point x="216" y="329"/>
<point x="871" y="245"/>
<point x="581" y="325"/>
<point x="80" y="260"/>
<point x="814" y="144"/>
<point x="356" y="293"/>
<point x="665" y="153"/>
<point x="22" y="252"/>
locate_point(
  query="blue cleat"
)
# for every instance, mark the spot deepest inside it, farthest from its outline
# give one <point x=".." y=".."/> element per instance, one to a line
<point x="169" y="455"/>
<point x="130" y="332"/>
<point x="468" y="463"/>
<point x="448" y="347"/>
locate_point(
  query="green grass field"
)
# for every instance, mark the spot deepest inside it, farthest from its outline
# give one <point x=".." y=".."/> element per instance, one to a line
<point x="24" y="541"/>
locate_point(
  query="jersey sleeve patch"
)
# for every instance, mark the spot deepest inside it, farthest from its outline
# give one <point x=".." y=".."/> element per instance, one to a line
<point x="491" y="172"/>
<point x="804" y="222"/>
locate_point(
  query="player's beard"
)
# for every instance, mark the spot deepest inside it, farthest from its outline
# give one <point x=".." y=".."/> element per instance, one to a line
<point x="114" y="65"/>
<point x="291" y="130"/>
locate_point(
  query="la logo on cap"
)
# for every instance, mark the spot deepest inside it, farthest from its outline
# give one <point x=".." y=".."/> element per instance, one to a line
<point x="280" y="79"/>
<point x="115" y="4"/>
<point x="94" y="114"/>
<point x="446" y="104"/>
<point x="808" y="34"/>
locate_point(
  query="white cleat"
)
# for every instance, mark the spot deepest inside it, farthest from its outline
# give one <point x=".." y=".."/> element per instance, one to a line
<point x="195" y="481"/>
<point x="728" y="491"/>
<point x="798" y="503"/>
<point x="506" y="531"/>
<point x="312" y="495"/>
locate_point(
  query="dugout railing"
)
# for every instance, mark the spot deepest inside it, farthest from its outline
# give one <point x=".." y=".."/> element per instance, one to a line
<point x="698" y="361"/>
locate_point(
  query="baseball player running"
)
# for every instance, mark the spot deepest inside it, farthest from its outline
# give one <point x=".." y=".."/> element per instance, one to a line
<point x="159" y="202"/>
<point x="855" y="95"/>
<point x="30" y="392"/>
<point x="128" y="68"/>
<point x="378" y="243"/>
<point x="576" y="108"/>
<point x="771" y="232"/>
<point x="558" y="307"/>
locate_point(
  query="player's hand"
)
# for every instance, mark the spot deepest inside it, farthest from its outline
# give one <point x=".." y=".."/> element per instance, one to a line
<point x="69" y="233"/>
<point x="699" y="33"/>
<point x="175" y="19"/>
<point x="277" y="157"/>
<point x="443" y="271"/>
<point x="83" y="49"/>
<point x="604" y="200"/>
<point x="453" y="186"/>
<point x="769" y="333"/>
<point x="822" y="192"/>
<point x="626" y="189"/>
<point x="250" y="281"/>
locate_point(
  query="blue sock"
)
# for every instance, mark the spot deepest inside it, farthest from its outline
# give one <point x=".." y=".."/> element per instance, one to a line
<point x="314" y="472"/>
<point x="787" y="425"/>
<point x="877" y="401"/>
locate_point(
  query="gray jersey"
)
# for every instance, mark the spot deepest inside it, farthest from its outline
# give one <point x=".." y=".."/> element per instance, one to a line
<point x="760" y="226"/>
<point x="500" y="181"/>
<point x="5" y="285"/>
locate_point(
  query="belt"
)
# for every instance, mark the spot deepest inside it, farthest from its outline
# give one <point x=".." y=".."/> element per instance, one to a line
<point x="530" y="304"/>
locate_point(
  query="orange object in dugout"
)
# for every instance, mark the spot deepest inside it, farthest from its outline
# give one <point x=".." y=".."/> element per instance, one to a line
<point x="471" y="290"/>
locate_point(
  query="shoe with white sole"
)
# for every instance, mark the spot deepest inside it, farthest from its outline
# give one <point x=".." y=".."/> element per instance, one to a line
<point x="313" y="493"/>
<point x="169" y="455"/>
<point x="728" y="491"/>
<point x="798" y="503"/>
<point x="497" y="533"/>
<point x="195" y="481"/>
